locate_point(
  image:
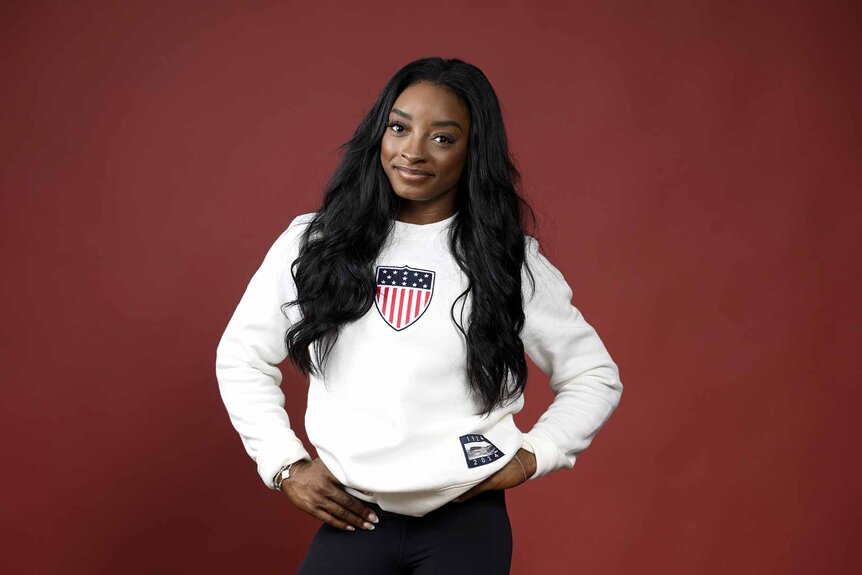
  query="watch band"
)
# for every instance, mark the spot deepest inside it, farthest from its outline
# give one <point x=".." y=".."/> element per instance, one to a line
<point x="282" y="474"/>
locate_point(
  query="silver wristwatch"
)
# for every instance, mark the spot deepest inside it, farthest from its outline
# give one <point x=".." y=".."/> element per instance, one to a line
<point x="281" y="475"/>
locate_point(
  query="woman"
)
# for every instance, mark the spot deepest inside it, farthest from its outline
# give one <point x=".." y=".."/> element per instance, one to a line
<point x="409" y="300"/>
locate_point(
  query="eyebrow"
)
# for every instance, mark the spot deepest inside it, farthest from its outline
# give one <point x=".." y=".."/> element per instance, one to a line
<point x="438" y="123"/>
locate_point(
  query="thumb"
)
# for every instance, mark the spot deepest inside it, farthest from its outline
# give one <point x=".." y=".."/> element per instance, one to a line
<point x="470" y="493"/>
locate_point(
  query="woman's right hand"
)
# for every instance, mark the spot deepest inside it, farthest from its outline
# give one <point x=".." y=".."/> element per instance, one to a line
<point x="315" y="490"/>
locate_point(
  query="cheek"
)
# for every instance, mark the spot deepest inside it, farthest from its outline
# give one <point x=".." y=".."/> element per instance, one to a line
<point x="386" y="148"/>
<point x="454" y="165"/>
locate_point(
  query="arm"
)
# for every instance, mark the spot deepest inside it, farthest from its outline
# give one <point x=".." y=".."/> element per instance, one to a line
<point x="246" y="358"/>
<point x="584" y="378"/>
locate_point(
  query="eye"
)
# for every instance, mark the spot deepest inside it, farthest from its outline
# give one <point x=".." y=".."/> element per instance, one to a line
<point x="447" y="141"/>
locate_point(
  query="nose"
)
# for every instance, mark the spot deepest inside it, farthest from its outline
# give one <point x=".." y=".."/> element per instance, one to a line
<point x="412" y="149"/>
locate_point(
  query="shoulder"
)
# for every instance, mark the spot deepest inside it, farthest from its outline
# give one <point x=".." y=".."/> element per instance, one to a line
<point x="535" y="258"/>
<point x="295" y="228"/>
<point x="287" y="242"/>
<point x="531" y="244"/>
<point x="303" y="218"/>
<point x="550" y="283"/>
<point x="299" y="223"/>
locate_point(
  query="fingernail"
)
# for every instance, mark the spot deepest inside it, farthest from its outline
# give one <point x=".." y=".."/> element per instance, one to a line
<point x="351" y="528"/>
<point x="368" y="525"/>
<point x="373" y="517"/>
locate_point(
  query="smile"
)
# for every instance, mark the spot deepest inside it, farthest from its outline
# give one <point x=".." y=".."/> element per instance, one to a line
<point x="411" y="176"/>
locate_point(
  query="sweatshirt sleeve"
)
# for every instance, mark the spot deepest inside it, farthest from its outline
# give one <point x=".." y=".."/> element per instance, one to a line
<point x="248" y="352"/>
<point x="584" y="378"/>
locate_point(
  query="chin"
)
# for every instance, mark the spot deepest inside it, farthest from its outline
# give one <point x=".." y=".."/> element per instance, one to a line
<point x="412" y="196"/>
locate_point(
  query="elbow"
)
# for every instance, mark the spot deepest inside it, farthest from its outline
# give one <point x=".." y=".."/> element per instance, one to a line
<point x="615" y="384"/>
<point x="609" y="383"/>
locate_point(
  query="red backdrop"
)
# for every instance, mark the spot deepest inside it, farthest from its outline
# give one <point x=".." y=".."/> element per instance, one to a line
<point x="696" y="168"/>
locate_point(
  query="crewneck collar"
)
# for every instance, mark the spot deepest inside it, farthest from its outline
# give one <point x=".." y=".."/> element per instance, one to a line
<point x="422" y="231"/>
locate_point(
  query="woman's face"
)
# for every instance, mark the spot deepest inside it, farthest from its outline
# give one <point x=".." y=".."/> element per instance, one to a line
<point x="427" y="131"/>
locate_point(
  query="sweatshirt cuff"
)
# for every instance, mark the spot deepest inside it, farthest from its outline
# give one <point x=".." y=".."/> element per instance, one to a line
<point x="548" y="456"/>
<point x="269" y="462"/>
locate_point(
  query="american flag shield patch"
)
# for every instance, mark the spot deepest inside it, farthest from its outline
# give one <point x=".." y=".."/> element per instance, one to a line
<point x="403" y="294"/>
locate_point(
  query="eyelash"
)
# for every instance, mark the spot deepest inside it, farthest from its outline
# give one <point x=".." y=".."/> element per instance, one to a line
<point x="448" y="141"/>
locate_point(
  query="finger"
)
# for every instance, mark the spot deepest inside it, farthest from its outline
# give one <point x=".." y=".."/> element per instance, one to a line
<point x="491" y="482"/>
<point x="468" y="494"/>
<point x="330" y="519"/>
<point x="335" y="508"/>
<point x="358" y="507"/>
<point x="358" y="512"/>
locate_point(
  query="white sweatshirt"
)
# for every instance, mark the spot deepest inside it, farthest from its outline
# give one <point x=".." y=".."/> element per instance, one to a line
<point x="394" y="421"/>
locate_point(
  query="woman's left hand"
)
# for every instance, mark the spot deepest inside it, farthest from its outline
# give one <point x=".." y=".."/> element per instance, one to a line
<point x="508" y="476"/>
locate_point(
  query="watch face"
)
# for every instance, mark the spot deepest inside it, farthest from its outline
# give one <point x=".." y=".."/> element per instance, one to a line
<point x="282" y="475"/>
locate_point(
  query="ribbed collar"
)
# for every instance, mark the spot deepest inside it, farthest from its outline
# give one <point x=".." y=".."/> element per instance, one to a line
<point x="403" y="230"/>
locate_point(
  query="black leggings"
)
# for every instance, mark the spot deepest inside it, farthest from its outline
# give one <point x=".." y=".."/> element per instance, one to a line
<point x="472" y="537"/>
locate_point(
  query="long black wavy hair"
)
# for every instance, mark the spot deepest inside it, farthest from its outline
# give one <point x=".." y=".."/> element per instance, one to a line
<point x="334" y="273"/>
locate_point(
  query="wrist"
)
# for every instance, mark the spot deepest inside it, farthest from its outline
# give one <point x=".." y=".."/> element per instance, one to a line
<point x="531" y="469"/>
<point x="529" y="460"/>
<point x="284" y="473"/>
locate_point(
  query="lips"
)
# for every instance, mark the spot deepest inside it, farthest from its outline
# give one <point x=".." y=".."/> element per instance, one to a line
<point x="413" y="172"/>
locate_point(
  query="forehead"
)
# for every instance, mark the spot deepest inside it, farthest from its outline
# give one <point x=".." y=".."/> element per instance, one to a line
<point x="429" y="102"/>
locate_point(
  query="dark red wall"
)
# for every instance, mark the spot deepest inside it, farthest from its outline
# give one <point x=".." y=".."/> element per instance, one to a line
<point x="696" y="167"/>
